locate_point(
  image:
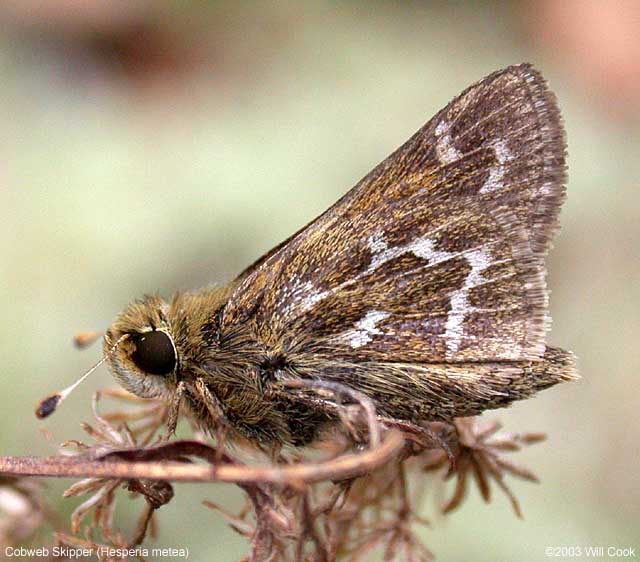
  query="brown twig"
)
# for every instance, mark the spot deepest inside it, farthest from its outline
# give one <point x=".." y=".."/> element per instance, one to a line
<point x="346" y="466"/>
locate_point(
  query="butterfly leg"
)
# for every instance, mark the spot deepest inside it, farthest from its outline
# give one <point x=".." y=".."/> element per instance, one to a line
<point x="174" y="409"/>
<point x="215" y="411"/>
<point x="336" y="392"/>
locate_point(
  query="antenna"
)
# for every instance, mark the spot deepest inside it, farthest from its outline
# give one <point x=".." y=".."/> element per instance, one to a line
<point x="48" y="405"/>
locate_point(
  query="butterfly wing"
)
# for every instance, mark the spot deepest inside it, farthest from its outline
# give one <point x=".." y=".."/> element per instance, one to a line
<point x="437" y="254"/>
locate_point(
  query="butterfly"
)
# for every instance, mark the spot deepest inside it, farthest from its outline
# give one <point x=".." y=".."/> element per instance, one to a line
<point x="423" y="287"/>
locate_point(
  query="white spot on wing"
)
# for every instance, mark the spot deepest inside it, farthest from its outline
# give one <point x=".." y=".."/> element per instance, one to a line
<point x="447" y="153"/>
<point x="479" y="260"/>
<point x="377" y="243"/>
<point x="309" y="301"/>
<point x="496" y="174"/>
<point x="381" y="251"/>
<point x="422" y="248"/>
<point x="301" y="296"/>
<point x="365" y="328"/>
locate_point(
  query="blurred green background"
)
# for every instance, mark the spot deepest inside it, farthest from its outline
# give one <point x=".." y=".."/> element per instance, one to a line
<point x="155" y="146"/>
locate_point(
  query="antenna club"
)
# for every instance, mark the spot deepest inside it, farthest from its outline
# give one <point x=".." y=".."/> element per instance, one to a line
<point x="48" y="406"/>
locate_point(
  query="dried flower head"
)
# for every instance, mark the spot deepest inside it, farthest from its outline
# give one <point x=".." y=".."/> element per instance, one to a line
<point x="126" y="429"/>
<point x="480" y="453"/>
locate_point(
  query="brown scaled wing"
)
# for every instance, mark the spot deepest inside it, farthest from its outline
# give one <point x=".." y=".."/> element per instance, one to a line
<point x="437" y="254"/>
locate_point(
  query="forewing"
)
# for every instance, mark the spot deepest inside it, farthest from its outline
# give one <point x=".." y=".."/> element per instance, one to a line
<point x="436" y="255"/>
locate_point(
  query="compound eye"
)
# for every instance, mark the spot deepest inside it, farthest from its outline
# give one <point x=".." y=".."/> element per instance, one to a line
<point x="154" y="353"/>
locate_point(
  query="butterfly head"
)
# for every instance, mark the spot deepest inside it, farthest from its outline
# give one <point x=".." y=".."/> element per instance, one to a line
<point x="155" y="343"/>
<point x="141" y="349"/>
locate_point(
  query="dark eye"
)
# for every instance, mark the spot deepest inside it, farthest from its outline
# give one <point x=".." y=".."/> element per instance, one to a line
<point x="154" y="353"/>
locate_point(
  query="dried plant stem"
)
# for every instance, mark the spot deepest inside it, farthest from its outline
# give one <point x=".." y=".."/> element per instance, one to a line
<point x="345" y="466"/>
